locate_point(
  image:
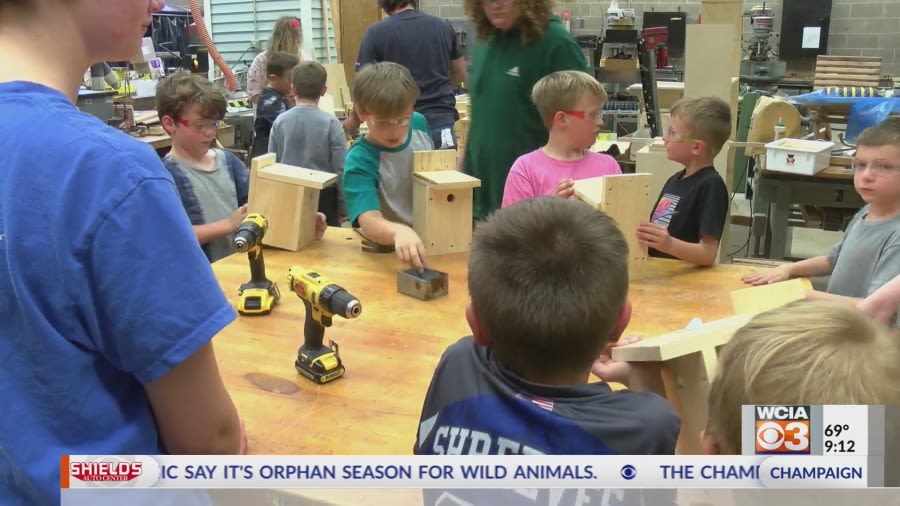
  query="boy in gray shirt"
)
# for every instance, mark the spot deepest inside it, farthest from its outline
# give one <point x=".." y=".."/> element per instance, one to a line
<point x="868" y="256"/>
<point x="308" y="137"/>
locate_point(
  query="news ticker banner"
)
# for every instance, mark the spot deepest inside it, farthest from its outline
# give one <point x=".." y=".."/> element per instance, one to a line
<point x="481" y="472"/>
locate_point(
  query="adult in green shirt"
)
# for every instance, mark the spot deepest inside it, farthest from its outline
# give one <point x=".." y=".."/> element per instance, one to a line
<point x="520" y="41"/>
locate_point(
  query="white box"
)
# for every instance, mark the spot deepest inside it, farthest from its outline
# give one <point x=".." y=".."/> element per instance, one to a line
<point x="798" y="156"/>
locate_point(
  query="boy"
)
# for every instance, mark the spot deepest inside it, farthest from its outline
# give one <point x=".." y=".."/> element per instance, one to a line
<point x="548" y="280"/>
<point x="93" y="245"/>
<point x="804" y="353"/>
<point x="212" y="183"/>
<point x="571" y="104"/>
<point x="378" y="168"/>
<point x="689" y="215"/>
<point x="308" y="137"/>
<point x="276" y="98"/>
<point x="868" y="256"/>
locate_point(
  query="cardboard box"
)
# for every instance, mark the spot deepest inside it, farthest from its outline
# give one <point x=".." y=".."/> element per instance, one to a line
<point x="798" y="156"/>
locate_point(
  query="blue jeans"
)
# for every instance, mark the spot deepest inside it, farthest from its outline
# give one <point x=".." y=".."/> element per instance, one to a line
<point x="441" y="141"/>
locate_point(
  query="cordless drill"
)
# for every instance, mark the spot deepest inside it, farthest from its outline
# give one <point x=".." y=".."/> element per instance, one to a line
<point x="323" y="299"/>
<point x="259" y="295"/>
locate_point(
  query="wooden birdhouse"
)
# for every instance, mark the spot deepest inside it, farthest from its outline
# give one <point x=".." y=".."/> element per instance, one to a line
<point x="627" y="200"/>
<point x="289" y="197"/>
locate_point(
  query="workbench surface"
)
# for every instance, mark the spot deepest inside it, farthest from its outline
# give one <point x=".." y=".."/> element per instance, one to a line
<point x="391" y="350"/>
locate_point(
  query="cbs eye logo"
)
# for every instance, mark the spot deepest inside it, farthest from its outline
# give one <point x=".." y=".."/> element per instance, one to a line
<point x="782" y="431"/>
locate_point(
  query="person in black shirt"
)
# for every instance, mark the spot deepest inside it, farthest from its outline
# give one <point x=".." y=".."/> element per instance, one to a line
<point x="689" y="215"/>
<point x="276" y="97"/>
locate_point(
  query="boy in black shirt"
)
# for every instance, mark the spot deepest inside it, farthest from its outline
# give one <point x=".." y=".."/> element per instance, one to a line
<point x="689" y="216"/>
<point x="276" y="98"/>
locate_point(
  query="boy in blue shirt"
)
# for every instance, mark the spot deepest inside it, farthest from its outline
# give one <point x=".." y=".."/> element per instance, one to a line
<point x="93" y="245"/>
<point x="378" y="169"/>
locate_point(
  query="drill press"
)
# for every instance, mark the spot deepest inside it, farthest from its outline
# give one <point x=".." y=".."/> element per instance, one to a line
<point x="259" y="295"/>
<point x="761" y="60"/>
<point x="323" y="299"/>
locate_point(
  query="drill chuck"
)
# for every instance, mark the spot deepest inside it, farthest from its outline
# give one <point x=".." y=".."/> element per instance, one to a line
<point x="250" y="232"/>
<point x="338" y="301"/>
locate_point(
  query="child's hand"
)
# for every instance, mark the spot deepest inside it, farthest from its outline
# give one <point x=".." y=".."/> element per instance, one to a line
<point x="321" y="225"/>
<point x="565" y="188"/>
<point x="409" y="247"/>
<point x="654" y="236"/>
<point x="610" y="370"/>
<point x="780" y="273"/>
<point x="237" y="217"/>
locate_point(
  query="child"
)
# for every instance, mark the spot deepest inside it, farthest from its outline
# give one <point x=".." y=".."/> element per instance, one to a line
<point x="804" y="353"/>
<point x="548" y="280"/>
<point x="378" y="168"/>
<point x="213" y="183"/>
<point x="571" y="105"/>
<point x="868" y="256"/>
<point x="99" y="359"/>
<point x="276" y="98"/>
<point x="689" y="215"/>
<point x="308" y="137"/>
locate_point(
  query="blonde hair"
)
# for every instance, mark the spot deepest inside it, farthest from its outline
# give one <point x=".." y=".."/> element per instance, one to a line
<point x="707" y="118"/>
<point x="287" y="35"/>
<point x="534" y="16"/>
<point x="561" y="91"/>
<point x="384" y="89"/>
<point x="806" y="352"/>
<point x="886" y="133"/>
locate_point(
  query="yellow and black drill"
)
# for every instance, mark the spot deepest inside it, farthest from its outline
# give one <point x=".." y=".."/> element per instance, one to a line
<point x="259" y="295"/>
<point x="323" y="299"/>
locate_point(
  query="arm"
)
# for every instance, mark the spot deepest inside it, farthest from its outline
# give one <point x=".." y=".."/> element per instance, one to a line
<point x="816" y="266"/>
<point x="657" y="237"/>
<point x="637" y="376"/>
<point x="457" y="72"/>
<point x="193" y="411"/>
<point x="883" y="303"/>
<point x="256" y="77"/>
<point x="406" y="241"/>
<point x="211" y="231"/>
<point x="817" y="295"/>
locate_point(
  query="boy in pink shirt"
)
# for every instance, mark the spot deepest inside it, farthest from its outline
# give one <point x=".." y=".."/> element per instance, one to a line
<point x="571" y="105"/>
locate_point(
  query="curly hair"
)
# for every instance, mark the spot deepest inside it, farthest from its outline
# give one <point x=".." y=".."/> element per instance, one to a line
<point x="176" y="93"/>
<point x="533" y="18"/>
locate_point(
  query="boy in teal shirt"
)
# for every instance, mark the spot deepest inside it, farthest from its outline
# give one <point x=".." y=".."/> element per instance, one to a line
<point x="378" y="169"/>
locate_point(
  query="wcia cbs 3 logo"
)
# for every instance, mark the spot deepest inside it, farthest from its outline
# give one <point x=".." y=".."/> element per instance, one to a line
<point x="782" y="429"/>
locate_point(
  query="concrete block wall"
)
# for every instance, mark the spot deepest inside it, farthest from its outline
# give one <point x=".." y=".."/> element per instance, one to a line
<point x="858" y="27"/>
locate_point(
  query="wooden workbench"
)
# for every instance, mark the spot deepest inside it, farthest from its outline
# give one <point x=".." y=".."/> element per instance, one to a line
<point x="391" y="350"/>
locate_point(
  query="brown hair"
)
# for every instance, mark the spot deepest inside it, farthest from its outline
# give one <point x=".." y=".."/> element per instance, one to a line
<point x="385" y="89"/>
<point x="280" y="62"/>
<point x="548" y="278"/>
<point x="886" y="133"/>
<point x="309" y="79"/>
<point x="707" y="118"/>
<point x="806" y="352"/>
<point x="534" y="15"/>
<point x="176" y="93"/>
<point x="561" y="91"/>
<point x="287" y="35"/>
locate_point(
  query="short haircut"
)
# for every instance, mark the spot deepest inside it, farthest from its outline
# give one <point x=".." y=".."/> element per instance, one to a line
<point x="384" y="89"/>
<point x="561" y="91"/>
<point x="176" y="93"/>
<point x="886" y="133"/>
<point x="548" y="278"/>
<point x="309" y="78"/>
<point x="806" y="352"/>
<point x="279" y="62"/>
<point x="390" y="6"/>
<point x="707" y="118"/>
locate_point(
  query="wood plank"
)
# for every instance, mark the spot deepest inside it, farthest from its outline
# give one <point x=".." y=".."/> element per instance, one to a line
<point x="337" y="85"/>
<point x="299" y="176"/>
<point x="681" y="342"/>
<point x="863" y="59"/>
<point x="449" y="179"/>
<point x="436" y="159"/>
<point x="756" y="299"/>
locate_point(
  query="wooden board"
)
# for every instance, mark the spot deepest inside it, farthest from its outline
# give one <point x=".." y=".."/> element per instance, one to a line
<point x="448" y="179"/>
<point x="726" y="12"/>
<point x="847" y="71"/>
<point x="756" y="299"/>
<point x="297" y="176"/>
<point x="438" y="159"/>
<point x="681" y="342"/>
<point x="355" y="16"/>
<point x="338" y="86"/>
<point x="626" y="199"/>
